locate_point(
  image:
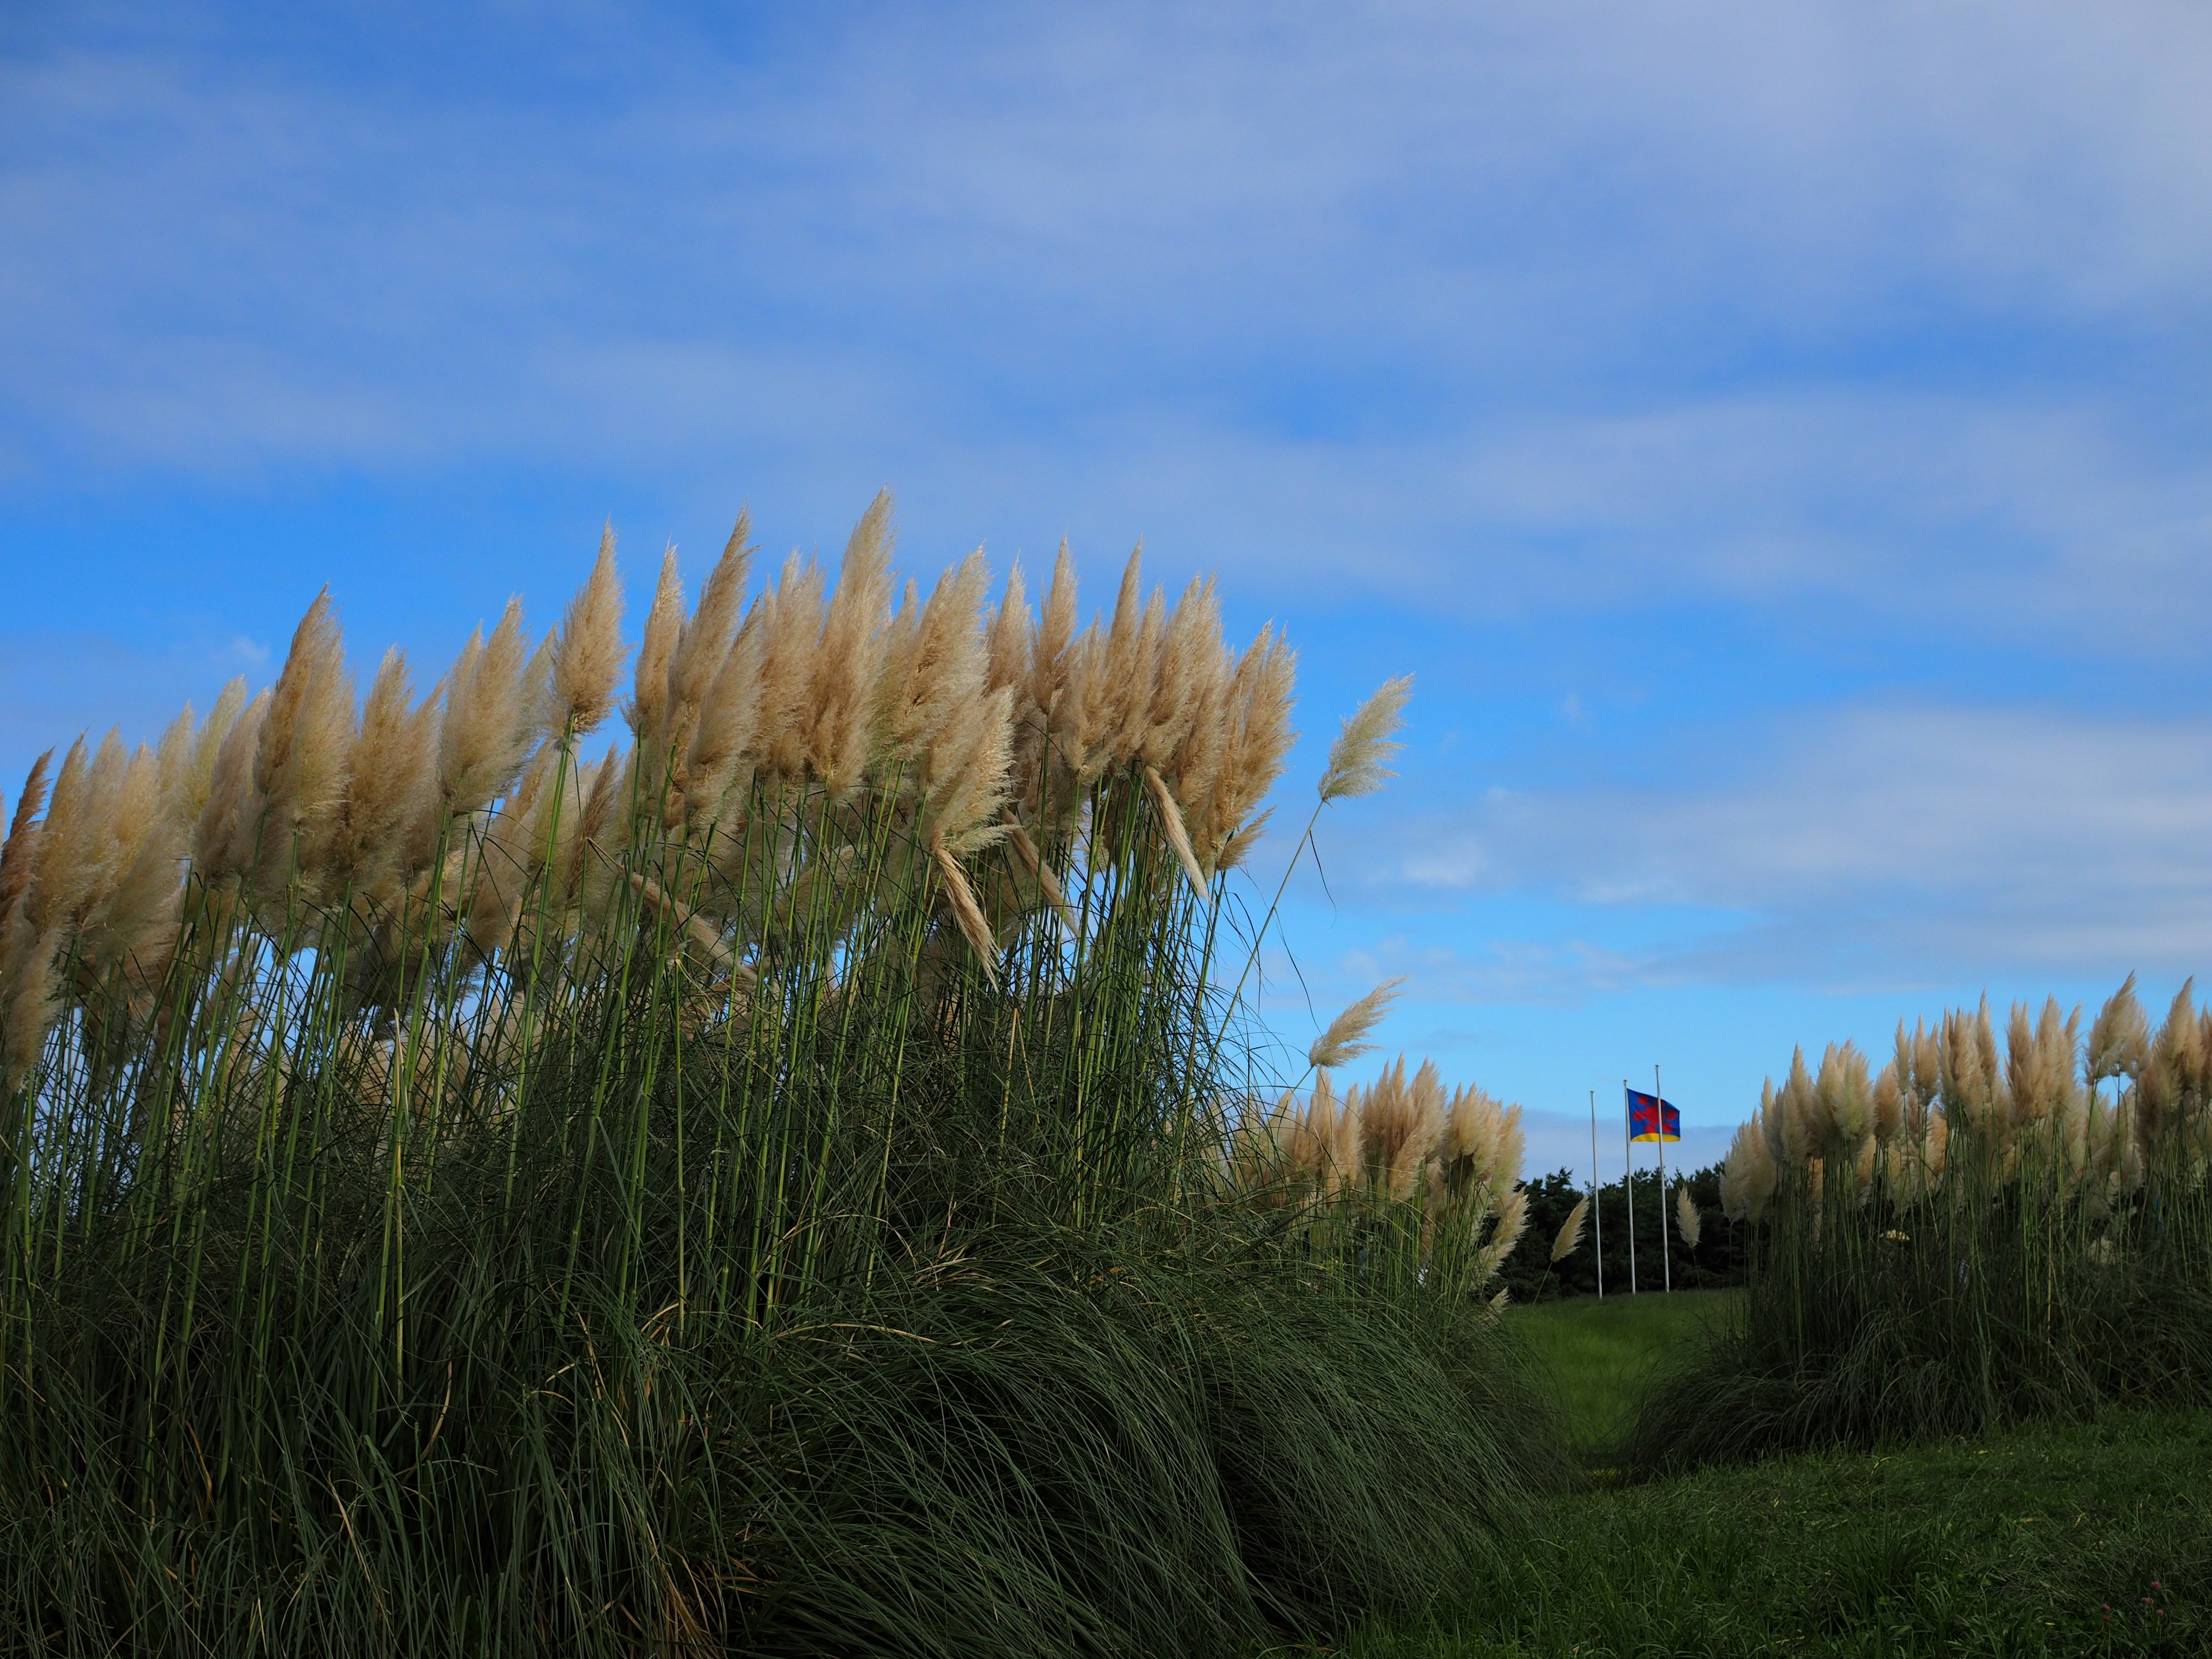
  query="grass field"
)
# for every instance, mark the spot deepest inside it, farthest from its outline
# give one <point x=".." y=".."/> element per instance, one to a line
<point x="2060" y="1539"/>
<point x="1599" y="1352"/>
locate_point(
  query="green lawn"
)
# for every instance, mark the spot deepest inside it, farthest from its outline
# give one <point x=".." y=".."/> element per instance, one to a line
<point x="1600" y="1351"/>
<point x="2061" y="1539"/>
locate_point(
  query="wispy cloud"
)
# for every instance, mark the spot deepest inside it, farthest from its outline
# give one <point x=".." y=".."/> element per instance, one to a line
<point x="1942" y="836"/>
<point x="1567" y="306"/>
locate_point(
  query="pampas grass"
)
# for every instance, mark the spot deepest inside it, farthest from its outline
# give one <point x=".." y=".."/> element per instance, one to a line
<point x="760" y="1187"/>
<point x="1978" y="1236"/>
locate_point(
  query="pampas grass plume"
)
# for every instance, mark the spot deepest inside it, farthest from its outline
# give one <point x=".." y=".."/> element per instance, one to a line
<point x="589" y="654"/>
<point x="1686" y="1221"/>
<point x="2119" y="1038"/>
<point x="648" y="699"/>
<point x="1356" y="758"/>
<point x="1570" y="1237"/>
<point x="1346" y="1039"/>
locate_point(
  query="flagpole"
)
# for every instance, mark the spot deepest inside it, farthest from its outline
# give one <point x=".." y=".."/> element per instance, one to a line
<point x="1628" y="1178"/>
<point x="1597" y="1209"/>
<point x="1665" y="1256"/>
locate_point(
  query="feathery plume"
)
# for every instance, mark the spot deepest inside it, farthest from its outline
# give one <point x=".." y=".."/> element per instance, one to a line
<point x="1888" y="1104"/>
<point x="1121" y="691"/>
<point x="791" y="619"/>
<point x="1748" y="1177"/>
<point x="1686" y="1222"/>
<point x="1844" y="1101"/>
<point x="588" y="657"/>
<point x="2119" y="1038"/>
<point x="1006" y="633"/>
<point x="1569" y="1239"/>
<point x="1512" y="1221"/>
<point x="1032" y="859"/>
<point x="967" y="913"/>
<point x="1238" y="846"/>
<point x="133" y="920"/>
<point x="964" y="775"/>
<point x="223" y="833"/>
<point x="703" y="642"/>
<point x="727" y="727"/>
<point x="1346" y="1039"/>
<point x="188" y="753"/>
<point x="1797" y="1116"/>
<point x="943" y="679"/>
<point x="1356" y="758"/>
<point x="648" y="699"/>
<point x="1048" y="658"/>
<point x="387" y="783"/>
<point x="489" y="722"/>
<point x="1399" y="1126"/>
<point x="1257" y="736"/>
<point x="1189" y="646"/>
<point x="298" y="765"/>
<point x="16" y="856"/>
<point x="841" y="699"/>
<point x="1178" y="838"/>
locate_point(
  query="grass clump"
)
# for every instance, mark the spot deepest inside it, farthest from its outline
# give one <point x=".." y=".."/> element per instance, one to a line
<point x="773" y="1186"/>
<point x="1964" y="1240"/>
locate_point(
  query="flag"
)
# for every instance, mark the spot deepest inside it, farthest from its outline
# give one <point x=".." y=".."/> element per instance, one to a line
<point x="1651" y="1118"/>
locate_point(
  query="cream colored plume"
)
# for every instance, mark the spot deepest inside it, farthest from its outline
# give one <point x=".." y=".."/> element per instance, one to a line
<point x="1569" y="1239"/>
<point x="1400" y="1122"/>
<point x="1843" y="1103"/>
<point x="2119" y="1038"/>
<point x="1504" y="1234"/>
<point x="726" y="732"/>
<point x="1178" y="838"/>
<point x="1888" y="1104"/>
<point x="1346" y="1039"/>
<point x="1329" y="1141"/>
<point x="1686" y="1220"/>
<point x="791" y="615"/>
<point x="388" y="778"/>
<point x="488" y="724"/>
<point x="1255" y="739"/>
<point x="841" y="698"/>
<point x="648" y="699"/>
<point x="1748" y="1177"/>
<point x="1357" y="759"/>
<point x="587" y="659"/>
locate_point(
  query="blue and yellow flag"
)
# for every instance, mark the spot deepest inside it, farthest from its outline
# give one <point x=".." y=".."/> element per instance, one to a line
<point x="1651" y="1118"/>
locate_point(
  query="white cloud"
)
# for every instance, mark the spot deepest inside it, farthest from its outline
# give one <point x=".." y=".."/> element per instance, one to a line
<point x="1483" y="307"/>
<point x="1875" y="835"/>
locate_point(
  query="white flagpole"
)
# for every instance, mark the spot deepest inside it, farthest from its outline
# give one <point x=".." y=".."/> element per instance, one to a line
<point x="1628" y="1179"/>
<point x="1597" y="1210"/>
<point x="1666" y="1255"/>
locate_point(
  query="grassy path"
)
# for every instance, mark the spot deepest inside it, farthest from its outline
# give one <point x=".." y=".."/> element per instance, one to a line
<point x="2059" y="1539"/>
<point x="1600" y="1351"/>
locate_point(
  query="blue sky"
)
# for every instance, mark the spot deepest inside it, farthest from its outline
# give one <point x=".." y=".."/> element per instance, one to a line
<point x="1774" y="437"/>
